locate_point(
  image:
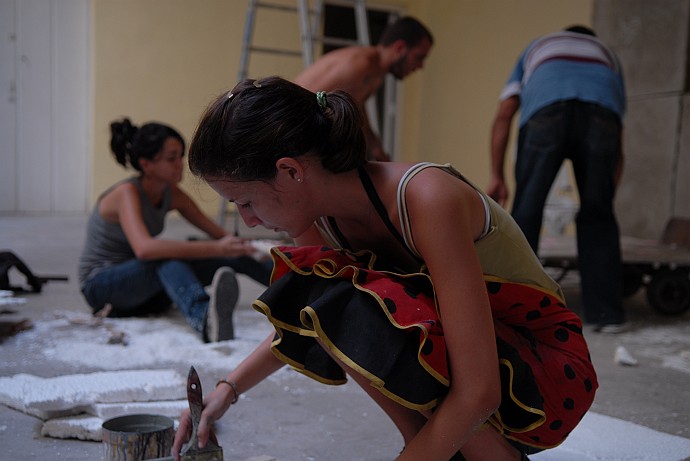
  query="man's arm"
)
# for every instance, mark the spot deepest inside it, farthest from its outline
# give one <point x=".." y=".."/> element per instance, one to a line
<point x="375" y="149"/>
<point x="355" y="70"/>
<point x="361" y="78"/>
<point x="500" y="134"/>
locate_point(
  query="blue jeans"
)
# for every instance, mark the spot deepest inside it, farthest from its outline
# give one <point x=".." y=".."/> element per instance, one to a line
<point x="590" y="136"/>
<point x="138" y="287"/>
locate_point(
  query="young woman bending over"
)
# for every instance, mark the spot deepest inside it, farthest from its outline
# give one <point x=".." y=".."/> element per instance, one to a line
<point x="407" y="279"/>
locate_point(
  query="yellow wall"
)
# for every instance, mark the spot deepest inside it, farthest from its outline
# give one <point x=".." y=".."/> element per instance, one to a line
<point x="166" y="59"/>
<point x="160" y="60"/>
<point x="477" y="44"/>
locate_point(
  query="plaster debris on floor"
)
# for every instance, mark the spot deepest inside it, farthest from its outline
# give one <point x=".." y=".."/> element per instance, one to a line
<point x="134" y="379"/>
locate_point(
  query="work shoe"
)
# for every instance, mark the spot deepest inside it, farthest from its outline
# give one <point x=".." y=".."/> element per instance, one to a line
<point x="612" y="328"/>
<point x="221" y="305"/>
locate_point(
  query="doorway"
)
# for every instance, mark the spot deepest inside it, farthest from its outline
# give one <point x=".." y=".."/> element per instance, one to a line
<point x="44" y="105"/>
<point x="339" y="22"/>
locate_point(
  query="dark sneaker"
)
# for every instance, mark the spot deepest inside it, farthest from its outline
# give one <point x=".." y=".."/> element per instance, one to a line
<point x="221" y="305"/>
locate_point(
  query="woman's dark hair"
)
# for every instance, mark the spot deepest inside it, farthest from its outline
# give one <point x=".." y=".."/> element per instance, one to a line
<point x="130" y="143"/>
<point x="244" y="132"/>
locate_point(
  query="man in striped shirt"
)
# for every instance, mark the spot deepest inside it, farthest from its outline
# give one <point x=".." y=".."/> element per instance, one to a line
<point x="569" y="89"/>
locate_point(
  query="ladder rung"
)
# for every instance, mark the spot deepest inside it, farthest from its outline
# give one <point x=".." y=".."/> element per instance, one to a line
<point x="336" y="41"/>
<point x="289" y="9"/>
<point x="276" y="51"/>
<point x="276" y="6"/>
<point x="353" y="3"/>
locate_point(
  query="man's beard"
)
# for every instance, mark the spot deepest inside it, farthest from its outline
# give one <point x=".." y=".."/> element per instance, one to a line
<point x="397" y="69"/>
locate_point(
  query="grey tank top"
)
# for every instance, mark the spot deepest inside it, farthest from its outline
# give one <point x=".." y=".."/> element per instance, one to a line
<point x="106" y="243"/>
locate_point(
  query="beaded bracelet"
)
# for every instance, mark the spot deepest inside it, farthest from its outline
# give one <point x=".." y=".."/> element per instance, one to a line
<point x="234" y="388"/>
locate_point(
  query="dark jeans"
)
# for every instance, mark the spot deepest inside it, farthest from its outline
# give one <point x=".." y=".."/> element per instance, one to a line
<point x="590" y="136"/>
<point x="138" y="287"/>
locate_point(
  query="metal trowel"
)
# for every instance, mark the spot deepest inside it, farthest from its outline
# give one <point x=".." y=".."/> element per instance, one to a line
<point x="191" y="451"/>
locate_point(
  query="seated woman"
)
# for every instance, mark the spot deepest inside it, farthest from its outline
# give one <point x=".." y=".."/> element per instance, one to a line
<point x="407" y="279"/>
<point x="125" y="267"/>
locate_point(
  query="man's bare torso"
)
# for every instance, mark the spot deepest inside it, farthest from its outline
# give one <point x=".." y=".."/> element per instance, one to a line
<point x="356" y="70"/>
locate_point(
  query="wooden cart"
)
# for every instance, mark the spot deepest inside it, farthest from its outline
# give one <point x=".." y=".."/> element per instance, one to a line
<point x="662" y="267"/>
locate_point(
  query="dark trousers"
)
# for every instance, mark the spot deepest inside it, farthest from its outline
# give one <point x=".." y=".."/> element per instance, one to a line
<point x="590" y="136"/>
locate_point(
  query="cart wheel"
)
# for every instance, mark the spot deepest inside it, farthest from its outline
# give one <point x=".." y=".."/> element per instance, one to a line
<point x="669" y="292"/>
<point x="632" y="280"/>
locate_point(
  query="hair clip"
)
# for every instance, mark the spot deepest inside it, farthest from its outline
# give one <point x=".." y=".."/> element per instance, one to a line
<point x="230" y="95"/>
<point x="257" y="84"/>
<point x="321" y="99"/>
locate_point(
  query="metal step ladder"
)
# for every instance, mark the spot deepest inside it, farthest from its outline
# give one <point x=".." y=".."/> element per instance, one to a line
<point x="310" y="23"/>
<point x="310" y="20"/>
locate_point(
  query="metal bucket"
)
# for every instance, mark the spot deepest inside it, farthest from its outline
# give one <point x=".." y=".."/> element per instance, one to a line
<point x="137" y="437"/>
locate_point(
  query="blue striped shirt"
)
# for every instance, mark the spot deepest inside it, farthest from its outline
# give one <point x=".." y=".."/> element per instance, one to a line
<point x="564" y="66"/>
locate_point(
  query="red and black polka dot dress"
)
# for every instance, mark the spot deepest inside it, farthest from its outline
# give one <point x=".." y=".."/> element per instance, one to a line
<point x="385" y="326"/>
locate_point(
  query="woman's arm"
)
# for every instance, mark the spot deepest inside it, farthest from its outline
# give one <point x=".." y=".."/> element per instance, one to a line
<point x="126" y="204"/>
<point x="254" y="369"/>
<point x="189" y="210"/>
<point x="448" y="250"/>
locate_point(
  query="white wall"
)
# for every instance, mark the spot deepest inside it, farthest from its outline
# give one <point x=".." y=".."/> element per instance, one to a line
<point x="45" y="109"/>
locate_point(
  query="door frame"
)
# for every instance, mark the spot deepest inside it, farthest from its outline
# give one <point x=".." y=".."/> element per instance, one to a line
<point x="339" y="21"/>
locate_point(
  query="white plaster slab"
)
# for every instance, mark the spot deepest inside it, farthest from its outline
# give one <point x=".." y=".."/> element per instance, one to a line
<point x="7" y="297"/>
<point x="169" y="408"/>
<point x="600" y="437"/>
<point x="82" y="427"/>
<point x="49" y="398"/>
<point x="88" y="427"/>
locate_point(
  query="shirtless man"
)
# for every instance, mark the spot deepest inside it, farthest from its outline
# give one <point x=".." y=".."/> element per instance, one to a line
<point x="360" y="70"/>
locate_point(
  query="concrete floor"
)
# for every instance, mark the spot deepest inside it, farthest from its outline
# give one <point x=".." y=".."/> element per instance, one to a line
<point x="292" y="418"/>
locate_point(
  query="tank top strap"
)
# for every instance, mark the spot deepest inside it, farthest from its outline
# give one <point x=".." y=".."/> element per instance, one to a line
<point x="330" y="231"/>
<point x="402" y="205"/>
<point x="381" y="210"/>
<point x="152" y="215"/>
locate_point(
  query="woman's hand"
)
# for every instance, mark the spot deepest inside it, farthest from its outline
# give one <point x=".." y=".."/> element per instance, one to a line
<point x="215" y="405"/>
<point x="253" y="369"/>
<point x="183" y="433"/>
<point x="234" y="246"/>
